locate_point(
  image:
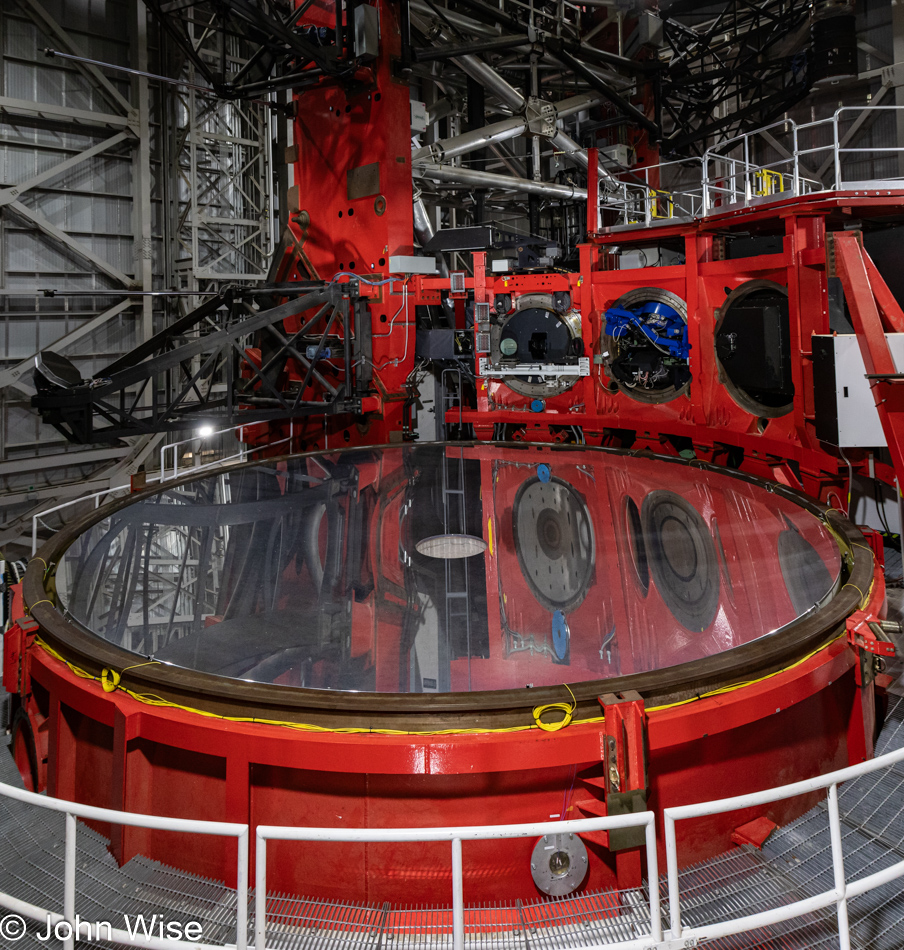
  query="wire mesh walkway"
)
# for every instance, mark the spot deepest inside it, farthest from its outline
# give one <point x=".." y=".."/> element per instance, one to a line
<point x="794" y="863"/>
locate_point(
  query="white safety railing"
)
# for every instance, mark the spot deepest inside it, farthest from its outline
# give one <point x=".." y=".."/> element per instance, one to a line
<point x="657" y="196"/>
<point x="64" y="924"/>
<point x="37" y="519"/>
<point x="658" y="938"/>
<point x="731" y="175"/>
<point x="207" y="437"/>
<point x="838" y="895"/>
<point x="872" y="152"/>
<point x="456" y="836"/>
<point x="167" y="473"/>
<point x="240" y="456"/>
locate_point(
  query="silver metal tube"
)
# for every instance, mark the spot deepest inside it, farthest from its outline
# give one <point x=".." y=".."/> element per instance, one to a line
<point x="69" y="880"/>
<point x="458" y="905"/>
<point x="241" y="891"/>
<point x="513" y="164"/>
<point x="439" y="110"/>
<point x="496" y="132"/>
<point x="844" y="930"/>
<point x="574" y="104"/>
<point x="260" y="892"/>
<point x="471" y="141"/>
<point x="565" y="143"/>
<point x="474" y="26"/>
<point x="478" y="70"/>
<point x="423" y="229"/>
<point x="481" y="179"/>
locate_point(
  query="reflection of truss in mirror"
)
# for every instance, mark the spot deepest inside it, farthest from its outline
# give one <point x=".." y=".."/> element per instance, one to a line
<point x="309" y="355"/>
<point x="167" y="575"/>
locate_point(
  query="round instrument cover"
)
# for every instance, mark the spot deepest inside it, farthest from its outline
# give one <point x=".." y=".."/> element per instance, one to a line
<point x="682" y="558"/>
<point x="554" y="541"/>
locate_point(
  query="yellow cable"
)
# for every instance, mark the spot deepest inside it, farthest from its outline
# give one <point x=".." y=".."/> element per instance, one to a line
<point x="730" y="689"/>
<point x="150" y="699"/>
<point x="864" y="598"/>
<point x="567" y="708"/>
<point x="109" y="679"/>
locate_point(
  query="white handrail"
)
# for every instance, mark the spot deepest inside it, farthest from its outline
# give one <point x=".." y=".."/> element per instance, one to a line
<point x="740" y="180"/>
<point x="164" y="476"/>
<point x="646" y="819"/>
<point x="96" y="496"/>
<point x="838" y="895"/>
<point x="677" y="935"/>
<point x="73" y="810"/>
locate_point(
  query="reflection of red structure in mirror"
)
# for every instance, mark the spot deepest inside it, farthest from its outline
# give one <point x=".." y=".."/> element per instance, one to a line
<point x="723" y="708"/>
<point x="456" y="568"/>
<point x="666" y="571"/>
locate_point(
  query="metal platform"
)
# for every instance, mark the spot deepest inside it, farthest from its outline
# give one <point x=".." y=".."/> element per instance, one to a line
<point x="794" y="863"/>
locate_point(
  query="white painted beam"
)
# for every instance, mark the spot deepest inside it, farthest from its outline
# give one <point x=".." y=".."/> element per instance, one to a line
<point x="68" y="241"/>
<point x="8" y="195"/>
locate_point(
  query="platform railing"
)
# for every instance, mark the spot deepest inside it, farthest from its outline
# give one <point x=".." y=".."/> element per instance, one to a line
<point x="456" y="836"/>
<point x="653" y="197"/>
<point x="69" y="927"/>
<point x="839" y="895"/>
<point x="731" y="175"/>
<point x="166" y="474"/>
<point x="677" y="935"/>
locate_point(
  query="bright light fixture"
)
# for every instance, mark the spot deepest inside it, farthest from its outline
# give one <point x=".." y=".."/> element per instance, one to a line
<point x="205" y="432"/>
<point x="451" y="546"/>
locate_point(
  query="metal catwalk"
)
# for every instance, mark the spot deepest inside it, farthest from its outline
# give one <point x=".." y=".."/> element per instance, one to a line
<point x="794" y="864"/>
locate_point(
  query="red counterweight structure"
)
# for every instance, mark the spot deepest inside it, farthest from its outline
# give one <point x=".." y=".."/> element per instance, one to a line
<point x="575" y="545"/>
<point x="350" y="211"/>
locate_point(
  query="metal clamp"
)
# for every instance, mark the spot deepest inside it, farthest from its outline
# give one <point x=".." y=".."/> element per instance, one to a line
<point x="866" y="632"/>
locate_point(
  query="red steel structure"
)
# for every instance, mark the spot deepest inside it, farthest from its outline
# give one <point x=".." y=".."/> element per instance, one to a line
<point x="95" y="725"/>
<point x="100" y="724"/>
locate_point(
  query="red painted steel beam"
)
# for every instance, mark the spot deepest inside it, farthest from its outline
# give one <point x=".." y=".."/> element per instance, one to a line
<point x="887" y="385"/>
<point x="892" y="317"/>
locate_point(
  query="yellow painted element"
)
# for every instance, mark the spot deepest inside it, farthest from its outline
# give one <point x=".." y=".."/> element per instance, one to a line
<point x="769" y="182"/>
<point x="654" y="199"/>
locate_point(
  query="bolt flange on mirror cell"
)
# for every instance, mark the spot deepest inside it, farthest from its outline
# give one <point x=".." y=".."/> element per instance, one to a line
<point x="682" y="558"/>
<point x="644" y="345"/>
<point x="554" y="542"/>
<point x="558" y="864"/>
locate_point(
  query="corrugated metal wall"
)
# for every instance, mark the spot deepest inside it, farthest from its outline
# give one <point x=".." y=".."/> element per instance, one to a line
<point x="91" y="201"/>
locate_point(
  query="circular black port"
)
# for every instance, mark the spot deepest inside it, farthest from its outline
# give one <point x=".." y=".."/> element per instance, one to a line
<point x="753" y="348"/>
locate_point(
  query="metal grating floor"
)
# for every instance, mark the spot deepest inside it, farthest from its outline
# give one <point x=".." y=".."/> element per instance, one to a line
<point x="793" y="864"/>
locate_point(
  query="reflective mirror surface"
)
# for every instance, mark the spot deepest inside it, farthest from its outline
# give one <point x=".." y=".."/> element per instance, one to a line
<point x="436" y="568"/>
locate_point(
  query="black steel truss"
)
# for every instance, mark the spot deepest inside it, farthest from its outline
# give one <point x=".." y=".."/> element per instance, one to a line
<point x="749" y="56"/>
<point x="287" y="54"/>
<point x="170" y="383"/>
